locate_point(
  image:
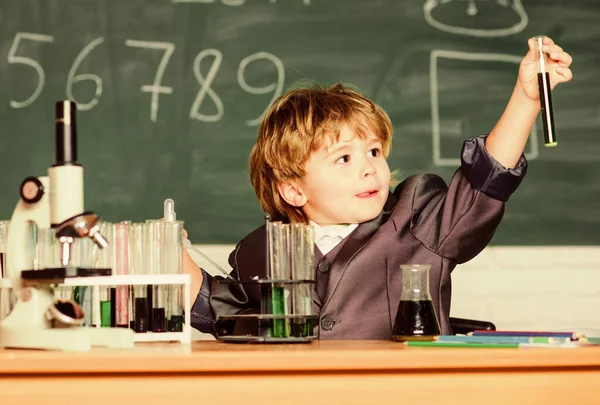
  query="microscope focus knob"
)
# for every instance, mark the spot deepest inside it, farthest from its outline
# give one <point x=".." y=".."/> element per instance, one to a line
<point x="32" y="190"/>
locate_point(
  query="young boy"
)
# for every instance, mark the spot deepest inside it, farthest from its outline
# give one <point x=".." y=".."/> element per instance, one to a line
<point x="320" y="158"/>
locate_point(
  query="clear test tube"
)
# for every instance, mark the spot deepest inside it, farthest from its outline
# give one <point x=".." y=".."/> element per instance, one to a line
<point x="31" y="245"/>
<point x="104" y="258"/>
<point x="302" y="249"/>
<point x="154" y="232"/>
<point x="81" y="256"/>
<point x="47" y="255"/>
<point x="122" y="268"/>
<point x="138" y="267"/>
<point x="547" y="113"/>
<point x="278" y="256"/>
<point x="286" y="273"/>
<point x="299" y="325"/>
<point x="274" y="235"/>
<point x="5" y="306"/>
<point x="173" y="264"/>
<point x="308" y="251"/>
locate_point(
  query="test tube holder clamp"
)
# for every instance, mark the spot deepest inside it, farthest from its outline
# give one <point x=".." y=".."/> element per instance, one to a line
<point x="264" y="323"/>
<point x="84" y="337"/>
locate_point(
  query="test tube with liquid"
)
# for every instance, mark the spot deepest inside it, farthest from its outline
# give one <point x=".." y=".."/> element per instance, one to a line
<point x="172" y="248"/>
<point x="286" y="273"/>
<point x="104" y="258"/>
<point x="302" y="248"/>
<point x="279" y="266"/>
<point x="173" y="264"/>
<point x="545" y="95"/>
<point x="122" y="268"/>
<point x="81" y="251"/>
<point x="154" y="232"/>
<point x="138" y="266"/>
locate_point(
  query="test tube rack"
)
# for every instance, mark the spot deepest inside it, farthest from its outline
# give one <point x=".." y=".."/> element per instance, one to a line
<point x="185" y="336"/>
<point x="267" y="319"/>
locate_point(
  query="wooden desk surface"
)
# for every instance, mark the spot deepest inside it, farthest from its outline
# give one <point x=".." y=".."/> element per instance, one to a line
<point x="326" y="371"/>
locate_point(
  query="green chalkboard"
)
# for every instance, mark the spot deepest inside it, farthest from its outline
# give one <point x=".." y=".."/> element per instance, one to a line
<point x="171" y="91"/>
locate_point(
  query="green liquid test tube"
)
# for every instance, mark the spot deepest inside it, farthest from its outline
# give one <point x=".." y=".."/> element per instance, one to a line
<point x="105" y="314"/>
<point x="280" y="270"/>
<point x="302" y="251"/>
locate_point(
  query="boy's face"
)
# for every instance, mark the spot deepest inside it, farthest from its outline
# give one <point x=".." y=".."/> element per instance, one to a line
<point x="347" y="181"/>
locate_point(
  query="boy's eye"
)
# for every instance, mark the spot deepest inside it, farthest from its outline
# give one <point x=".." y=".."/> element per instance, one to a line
<point x="375" y="152"/>
<point x="343" y="159"/>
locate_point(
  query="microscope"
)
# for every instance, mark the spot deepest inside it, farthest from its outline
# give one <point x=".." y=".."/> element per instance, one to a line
<point x="38" y="320"/>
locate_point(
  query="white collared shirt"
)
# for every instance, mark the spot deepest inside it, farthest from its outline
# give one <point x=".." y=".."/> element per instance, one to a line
<point x="329" y="236"/>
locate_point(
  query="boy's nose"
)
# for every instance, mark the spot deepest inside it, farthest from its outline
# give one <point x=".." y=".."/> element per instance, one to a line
<point x="369" y="170"/>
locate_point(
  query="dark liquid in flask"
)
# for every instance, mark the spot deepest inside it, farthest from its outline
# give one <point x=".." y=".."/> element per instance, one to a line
<point x="415" y="320"/>
<point x="546" y="105"/>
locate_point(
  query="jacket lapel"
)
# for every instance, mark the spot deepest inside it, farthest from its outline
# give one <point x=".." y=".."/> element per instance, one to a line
<point x="317" y="301"/>
<point x="354" y="244"/>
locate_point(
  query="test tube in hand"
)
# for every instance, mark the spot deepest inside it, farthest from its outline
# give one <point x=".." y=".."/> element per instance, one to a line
<point x="545" y="95"/>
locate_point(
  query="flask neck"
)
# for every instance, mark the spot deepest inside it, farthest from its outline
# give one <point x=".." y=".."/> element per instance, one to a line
<point x="415" y="283"/>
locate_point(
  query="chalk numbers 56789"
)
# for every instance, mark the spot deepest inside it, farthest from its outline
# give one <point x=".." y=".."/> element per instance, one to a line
<point x="17" y="56"/>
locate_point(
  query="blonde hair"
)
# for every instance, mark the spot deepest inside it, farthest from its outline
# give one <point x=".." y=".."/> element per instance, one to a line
<point x="300" y="122"/>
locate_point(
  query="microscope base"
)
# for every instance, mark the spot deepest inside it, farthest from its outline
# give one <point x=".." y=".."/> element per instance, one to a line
<point x="72" y="339"/>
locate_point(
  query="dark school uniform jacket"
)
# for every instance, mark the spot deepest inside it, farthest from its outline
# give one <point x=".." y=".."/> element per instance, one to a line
<point x="359" y="283"/>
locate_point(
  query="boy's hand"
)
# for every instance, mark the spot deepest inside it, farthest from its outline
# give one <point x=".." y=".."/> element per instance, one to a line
<point x="557" y="65"/>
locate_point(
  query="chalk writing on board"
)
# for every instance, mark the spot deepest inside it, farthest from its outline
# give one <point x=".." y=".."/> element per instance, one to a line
<point x="156" y="88"/>
<point x="231" y="3"/>
<point x="73" y="79"/>
<point x="276" y="88"/>
<point x="471" y="8"/>
<point x="13" y="58"/>
<point x="468" y="57"/>
<point x="205" y="89"/>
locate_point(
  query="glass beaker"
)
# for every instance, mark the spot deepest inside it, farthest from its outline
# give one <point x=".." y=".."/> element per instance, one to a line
<point x="416" y="318"/>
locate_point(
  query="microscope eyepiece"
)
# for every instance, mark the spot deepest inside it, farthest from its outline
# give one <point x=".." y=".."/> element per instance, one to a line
<point x="66" y="133"/>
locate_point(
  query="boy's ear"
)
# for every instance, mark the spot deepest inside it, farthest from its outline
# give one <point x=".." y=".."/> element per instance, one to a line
<point x="291" y="194"/>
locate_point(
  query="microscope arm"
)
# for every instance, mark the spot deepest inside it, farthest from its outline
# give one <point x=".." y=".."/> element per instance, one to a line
<point x="25" y="213"/>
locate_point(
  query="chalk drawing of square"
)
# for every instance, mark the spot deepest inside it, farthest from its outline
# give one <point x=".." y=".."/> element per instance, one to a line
<point x="458" y="125"/>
